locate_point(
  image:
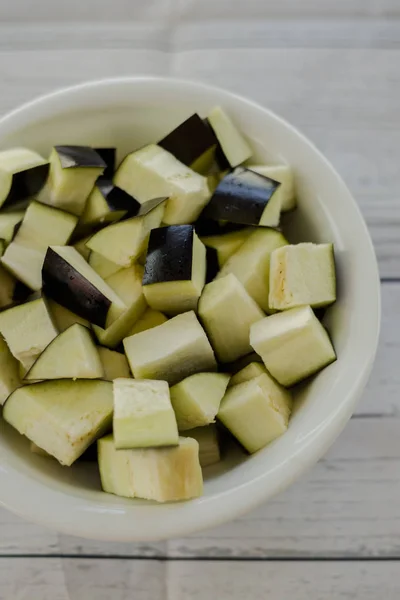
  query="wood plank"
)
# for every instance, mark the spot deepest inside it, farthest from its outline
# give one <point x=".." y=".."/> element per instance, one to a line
<point x="102" y="579"/>
<point x="358" y="131"/>
<point x="122" y="10"/>
<point x="336" y="510"/>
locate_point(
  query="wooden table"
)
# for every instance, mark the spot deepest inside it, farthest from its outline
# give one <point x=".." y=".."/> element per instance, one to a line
<point x="332" y="68"/>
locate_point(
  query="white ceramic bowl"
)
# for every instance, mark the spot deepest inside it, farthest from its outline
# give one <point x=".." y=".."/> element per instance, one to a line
<point x="128" y="113"/>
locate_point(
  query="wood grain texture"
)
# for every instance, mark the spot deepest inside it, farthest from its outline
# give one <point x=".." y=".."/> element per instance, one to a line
<point x="335" y="511"/>
<point x="352" y="117"/>
<point x="348" y="505"/>
<point x="91" y="579"/>
<point x="331" y="68"/>
<point x="122" y="10"/>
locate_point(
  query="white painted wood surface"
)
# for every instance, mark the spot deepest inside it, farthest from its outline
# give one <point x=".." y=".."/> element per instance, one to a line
<point x="331" y="67"/>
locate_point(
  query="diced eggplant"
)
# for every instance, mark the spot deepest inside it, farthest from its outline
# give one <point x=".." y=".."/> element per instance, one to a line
<point x="73" y="173"/>
<point x="283" y="174"/>
<point x="9" y="224"/>
<point x="63" y="417"/>
<point x="150" y="318"/>
<point x="28" y="329"/>
<point x="122" y="243"/>
<point x="193" y="143"/>
<point x="71" y="282"/>
<point x="42" y="226"/>
<point x="153" y="172"/>
<point x="143" y="414"/>
<point x="207" y="438"/>
<point x="108" y="202"/>
<point x="251" y="263"/>
<point x="9" y="372"/>
<point x="227" y="312"/>
<point x="293" y="345"/>
<point x="244" y="196"/>
<point x="104" y="267"/>
<point x="71" y="355"/>
<point x="235" y="148"/>
<point x="302" y="274"/>
<point x="114" y="363"/>
<point x="109" y="156"/>
<point x="161" y="474"/>
<point x="23" y="173"/>
<point x="171" y="351"/>
<point x="256" y="412"/>
<point x="127" y="284"/>
<point x="64" y="318"/>
<point x="175" y="270"/>
<point x="196" y="399"/>
<point x="252" y="370"/>
<point x="227" y="244"/>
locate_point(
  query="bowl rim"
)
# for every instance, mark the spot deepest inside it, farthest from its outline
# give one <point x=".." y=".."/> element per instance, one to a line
<point x="82" y="518"/>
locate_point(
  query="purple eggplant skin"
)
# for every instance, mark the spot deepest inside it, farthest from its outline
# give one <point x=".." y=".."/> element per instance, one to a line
<point x="109" y="155"/>
<point x="65" y="285"/>
<point x="212" y="264"/>
<point x="169" y="254"/>
<point x="241" y="197"/>
<point x="205" y="227"/>
<point x="119" y="200"/>
<point x="190" y="140"/>
<point x="26" y="184"/>
<point x="79" y="156"/>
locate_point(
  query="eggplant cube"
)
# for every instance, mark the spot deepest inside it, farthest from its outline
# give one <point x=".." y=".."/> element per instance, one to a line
<point x="153" y="172"/>
<point x="71" y="282"/>
<point x="302" y="274"/>
<point x="161" y="474"/>
<point x="143" y="414"/>
<point x="114" y="364"/>
<point x="175" y="270"/>
<point x="63" y="417"/>
<point x="23" y="173"/>
<point x="256" y="412"/>
<point x="233" y="145"/>
<point x="71" y="355"/>
<point x="193" y="143"/>
<point x="196" y="399"/>
<point x="73" y="173"/>
<point x="42" y="226"/>
<point x="171" y="351"/>
<point x="227" y="312"/>
<point x="127" y="284"/>
<point x="283" y="174"/>
<point x="207" y="438"/>
<point x="28" y="329"/>
<point x="246" y="197"/>
<point x="293" y="345"/>
<point x="251" y="371"/>
<point x="122" y="243"/>
<point x="250" y="264"/>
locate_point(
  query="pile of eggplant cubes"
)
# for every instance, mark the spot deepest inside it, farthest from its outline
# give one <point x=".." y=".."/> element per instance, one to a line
<point x="148" y="306"/>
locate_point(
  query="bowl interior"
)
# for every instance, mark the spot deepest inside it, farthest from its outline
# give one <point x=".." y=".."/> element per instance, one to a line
<point x="128" y="114"/>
